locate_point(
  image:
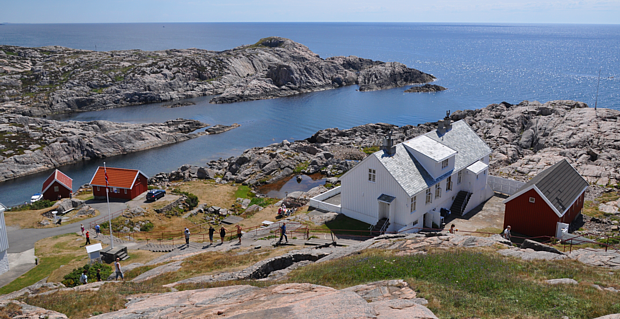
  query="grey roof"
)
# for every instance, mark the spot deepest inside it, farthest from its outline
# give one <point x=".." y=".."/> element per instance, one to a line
<point x="561" y="184"/>
<point x="386" y="198"/>
<point x="410" y="174"/>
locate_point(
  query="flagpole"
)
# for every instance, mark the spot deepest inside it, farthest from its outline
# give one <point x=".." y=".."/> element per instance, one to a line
<point x="107" y="196"/>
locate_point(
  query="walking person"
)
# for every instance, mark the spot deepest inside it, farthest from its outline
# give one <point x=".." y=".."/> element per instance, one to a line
<point x="87" y="238"/>
<point x="222" y="233"/>
<point x="97" y="230"/>
<point x="98" y="274"/>
<point x="187" y="236"/>
<point x="119" y="271"/>
<point x="84" y="278"/>
<point x="506" y="233"/>
<point x="283" y="233"/>
<point x="211" y="232"/>
<point x="82" y="228"/>
<point x="239" y="233"/>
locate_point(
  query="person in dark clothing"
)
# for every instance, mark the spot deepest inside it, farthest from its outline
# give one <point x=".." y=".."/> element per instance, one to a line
<point x="283" y="233"/>
<point x="211" y="232"/>
<point x="187" y="236"/>
<point x="98" y="274"/>
<point x="87" y="238"/>
<point x="222" y="233"/>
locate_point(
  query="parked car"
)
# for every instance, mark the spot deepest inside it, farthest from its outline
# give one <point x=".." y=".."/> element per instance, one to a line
<point x="36" y="197"/>
<point x="155" y="194"/>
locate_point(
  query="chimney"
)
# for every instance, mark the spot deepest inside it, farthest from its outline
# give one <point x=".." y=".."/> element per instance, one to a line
<point x="447" y="121"/>
<point x="388" y="145"/>
<point x="441" y="130"/>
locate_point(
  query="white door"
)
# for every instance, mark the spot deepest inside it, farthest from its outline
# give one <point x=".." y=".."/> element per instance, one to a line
<point x="384" y="210"/>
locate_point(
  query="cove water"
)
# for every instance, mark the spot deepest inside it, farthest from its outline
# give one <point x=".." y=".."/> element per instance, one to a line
<point x="480" y="64"/>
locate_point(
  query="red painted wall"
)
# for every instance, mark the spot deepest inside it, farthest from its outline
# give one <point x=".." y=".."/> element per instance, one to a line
<point x="536" y="219"/>
<point x="139" y="187"/>
<point x="51" y="195"/>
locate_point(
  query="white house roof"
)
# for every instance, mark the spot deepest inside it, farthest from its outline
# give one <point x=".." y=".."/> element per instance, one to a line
<point x="477" y="167"/>
<point x="430" y="148"/>
<point x="410" y="174"/>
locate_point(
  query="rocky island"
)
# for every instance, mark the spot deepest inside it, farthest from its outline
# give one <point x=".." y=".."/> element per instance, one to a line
<point x="425" y="88"/>
<point x="55" y="80"/>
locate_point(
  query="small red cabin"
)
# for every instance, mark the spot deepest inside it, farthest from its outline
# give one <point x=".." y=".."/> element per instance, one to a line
<point x="57" y="185"/>
<point x="554" y="196"/>
<point x="123" y="183"/>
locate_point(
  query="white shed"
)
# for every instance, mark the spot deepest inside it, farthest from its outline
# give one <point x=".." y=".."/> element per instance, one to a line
<point x="94" y="252"/>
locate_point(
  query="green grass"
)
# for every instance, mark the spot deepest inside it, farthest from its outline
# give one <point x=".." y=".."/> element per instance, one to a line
<point x="346" y="226"/>
<point x="244" y="191"/>
<point x="590" y="208"/>
<point x="301" y="167"/>
<point x="475" y="284"/>
<point x="46" y="266"/>
<point x="371" y="149"/>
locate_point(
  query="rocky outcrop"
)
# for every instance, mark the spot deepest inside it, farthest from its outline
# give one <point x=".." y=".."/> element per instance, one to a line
<point x="30" y="145"/>
<point x="219" y="128"/>
<point x="396" y="300"/>
<point x="54" y="79"/>
<point x="526" y="138"/>
<point x="425" y="88"/>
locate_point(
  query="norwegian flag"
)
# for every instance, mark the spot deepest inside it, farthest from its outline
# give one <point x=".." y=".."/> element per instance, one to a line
<point x="105" y="172"/>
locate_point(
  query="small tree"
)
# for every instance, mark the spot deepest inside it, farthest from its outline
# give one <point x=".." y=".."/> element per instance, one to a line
<point x="73" y="279"/>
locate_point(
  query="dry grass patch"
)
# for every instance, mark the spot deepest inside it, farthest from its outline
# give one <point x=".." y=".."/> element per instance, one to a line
<point x="27" y="218"/>
<point x="84" y="304"/>
<point x="11" y="310"/>
<point x="210" y="193"/>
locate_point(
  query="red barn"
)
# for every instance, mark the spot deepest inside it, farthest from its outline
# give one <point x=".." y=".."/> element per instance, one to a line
<point x="554" y="196"/>
<point x="57" y="184"/>
<point x="124" y="183"/>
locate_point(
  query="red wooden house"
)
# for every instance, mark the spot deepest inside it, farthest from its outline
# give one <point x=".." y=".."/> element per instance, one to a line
<point x="123" y="183"/>
<point x="57" y="185"/>
<point x="554" y="196"/>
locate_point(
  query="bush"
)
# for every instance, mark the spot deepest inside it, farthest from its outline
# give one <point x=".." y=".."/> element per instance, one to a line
<point x="191" y="201"/>
<point x="73" y="279"/>
<point x="147" y="227"/>
<point x="34" y="206"/>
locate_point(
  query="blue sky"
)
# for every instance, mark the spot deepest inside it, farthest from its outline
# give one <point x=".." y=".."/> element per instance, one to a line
<point x="489" y="11"/>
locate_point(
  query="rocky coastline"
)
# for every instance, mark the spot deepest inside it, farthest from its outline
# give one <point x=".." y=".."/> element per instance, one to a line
<point x="526" y="138"/>
<point x="56" y="80"/>
<point x="29" y="145"/>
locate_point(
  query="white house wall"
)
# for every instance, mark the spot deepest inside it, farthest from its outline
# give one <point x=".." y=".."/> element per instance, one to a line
<point x="4" y="244"/>
<point x="359" y="196"/>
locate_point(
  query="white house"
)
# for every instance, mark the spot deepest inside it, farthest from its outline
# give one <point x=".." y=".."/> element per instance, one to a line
<point x="4" y="243"/>
<point x="409" y="183"/>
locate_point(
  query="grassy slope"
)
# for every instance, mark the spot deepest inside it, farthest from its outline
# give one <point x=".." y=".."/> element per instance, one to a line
<point x="466" y="283"/>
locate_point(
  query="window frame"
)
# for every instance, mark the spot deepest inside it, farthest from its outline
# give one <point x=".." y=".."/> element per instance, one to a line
<point x="449" y="183"/>
<point x="459" y="177"/>
<point x="445" y="163"/>
<point x="372" y="175"/>
<point x="429" y="196"/>
<point x="438" y="190"/>
<point x="413" y="204"/>
<point x="56" y="189"/>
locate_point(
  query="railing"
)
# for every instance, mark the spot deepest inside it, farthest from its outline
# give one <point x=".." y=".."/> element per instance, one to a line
<point x="318" y="201"/>
<point x="504" y="185"/>
<point x="384" y="227"/>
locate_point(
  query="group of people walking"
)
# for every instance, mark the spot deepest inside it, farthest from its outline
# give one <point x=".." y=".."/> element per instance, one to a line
<point x="223" y="231"/>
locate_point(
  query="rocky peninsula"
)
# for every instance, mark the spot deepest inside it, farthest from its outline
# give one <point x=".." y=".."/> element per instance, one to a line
<point x="29" y="145"/>
<point x="526" y="138"/>
<point x="55" y="80"/>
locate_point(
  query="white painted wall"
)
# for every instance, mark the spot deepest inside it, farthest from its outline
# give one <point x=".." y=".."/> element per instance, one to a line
<point x="4" y="243"/>
<point x="432" y="167"/>
<point x="4" y="262"/>
<point x="359" y="196"/>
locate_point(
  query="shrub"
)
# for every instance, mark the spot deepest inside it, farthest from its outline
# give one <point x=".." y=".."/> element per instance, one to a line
<point x="147" y="227"/>
<point x="73" y="279"/>
<point x="191" y="201"/>
<point x="34" y="206"/>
